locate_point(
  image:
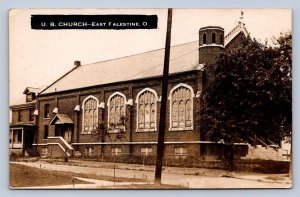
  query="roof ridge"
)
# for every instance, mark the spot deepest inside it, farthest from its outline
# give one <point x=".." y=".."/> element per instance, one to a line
<point x="240" y="27"/>
<point x="59" y="79"/>
<point x="74" y="68"/>
<point x="137" y="54"/>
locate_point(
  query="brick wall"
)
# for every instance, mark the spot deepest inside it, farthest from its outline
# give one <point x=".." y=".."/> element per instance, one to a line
<point x="25" y="110"/>
<point x="67" y="101"/>
<point x="237" y="42"/>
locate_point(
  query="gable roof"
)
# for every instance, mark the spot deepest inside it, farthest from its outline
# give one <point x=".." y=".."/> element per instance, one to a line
<point x="61" y="119"/>
<point x="183" y="57"/>
<point x="240" y="27"/>
<point x="22" y="99"/>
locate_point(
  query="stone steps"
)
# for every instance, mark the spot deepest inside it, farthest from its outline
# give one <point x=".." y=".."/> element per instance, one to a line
<point x="260" y="152"/>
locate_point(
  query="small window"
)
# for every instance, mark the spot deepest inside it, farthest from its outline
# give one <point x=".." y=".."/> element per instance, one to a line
<point x="46" y="111"/>
<point x="146" y="151"/>
<point x="31" y="115"/>
<point x="29" y="97"/>
<point x="46" y="131"/>
<point x="116" y="151"/>
<point x="180" y="152"/>
<point x="17" y="138"/>
<point x="213" y="38"/>
<point x="204" y="38"/>
<point x="10" y="136"/>
<point x="44" y="151"/>
<point x="88" y="151"/>
<point x="221" y="39"/>
<point x="20" y="116"/>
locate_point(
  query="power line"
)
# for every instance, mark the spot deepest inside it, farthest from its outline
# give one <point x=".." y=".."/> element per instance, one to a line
<point x="172" y="60"/>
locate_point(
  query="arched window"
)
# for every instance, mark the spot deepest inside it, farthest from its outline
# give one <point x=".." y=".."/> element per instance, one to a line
<point x="204" y="39"/>
<point x="181" y="107"/>
<point x="146" y="110"/>
<point x="221" y="39"/>
<point x="213" y="38"/>
<point x="116" y="112"/>
<point x="90" y="114"/>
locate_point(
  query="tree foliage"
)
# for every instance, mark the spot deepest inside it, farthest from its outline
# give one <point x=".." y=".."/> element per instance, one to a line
<point x="250" y="94"/>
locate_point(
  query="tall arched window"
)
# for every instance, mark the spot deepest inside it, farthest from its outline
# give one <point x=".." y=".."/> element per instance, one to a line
<point x="204" y="38"/>
<point x="90" y="114"/>
<point x="116" y="112"/>
<point x="181" y="107"/>
<point x="213" y="38"/>
<point x="146" y="110"/>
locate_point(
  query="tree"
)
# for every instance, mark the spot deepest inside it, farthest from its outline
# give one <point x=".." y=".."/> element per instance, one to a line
<point x="250" y="94"/>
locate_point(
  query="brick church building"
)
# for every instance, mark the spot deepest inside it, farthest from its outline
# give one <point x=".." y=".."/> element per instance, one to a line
<point x="112" y="107"/>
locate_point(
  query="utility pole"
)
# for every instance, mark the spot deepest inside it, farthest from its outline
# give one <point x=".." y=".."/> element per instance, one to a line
<point x="162" y="121"/>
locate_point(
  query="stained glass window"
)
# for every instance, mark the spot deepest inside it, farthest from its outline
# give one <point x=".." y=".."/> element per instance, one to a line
<point x="146" y="110"/>
<point x="116" y="112"/>
<point x="90" y="115"/>
<point x="181" y="108"/>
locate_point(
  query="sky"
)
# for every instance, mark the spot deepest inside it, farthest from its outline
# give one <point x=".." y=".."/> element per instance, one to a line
<point x="39" y="57"/>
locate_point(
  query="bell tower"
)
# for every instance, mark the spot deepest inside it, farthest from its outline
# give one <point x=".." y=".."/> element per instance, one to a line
<point x="211" y="43"/>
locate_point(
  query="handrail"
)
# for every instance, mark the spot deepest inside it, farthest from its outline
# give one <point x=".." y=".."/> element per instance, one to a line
<point x="251" y="139"/>
<point x="63" y="140"/>
<point x="262" y="142"/>
<point x="259" y="140"/>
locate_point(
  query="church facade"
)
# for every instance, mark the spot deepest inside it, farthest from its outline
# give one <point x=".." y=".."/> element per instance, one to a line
<point x="112" y="107"/>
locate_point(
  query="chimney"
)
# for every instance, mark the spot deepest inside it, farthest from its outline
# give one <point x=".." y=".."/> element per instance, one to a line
<point x="77" y="63"/>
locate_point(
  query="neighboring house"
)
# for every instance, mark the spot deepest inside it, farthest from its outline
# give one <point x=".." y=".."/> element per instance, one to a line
<point x="23" y="125"/>
<point x="124" y="95"/>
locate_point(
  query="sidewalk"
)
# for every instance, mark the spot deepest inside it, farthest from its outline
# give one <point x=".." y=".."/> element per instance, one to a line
<point x="187" y="177"/>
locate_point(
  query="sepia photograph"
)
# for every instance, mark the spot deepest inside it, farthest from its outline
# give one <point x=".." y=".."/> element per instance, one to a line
<point x="150" y="98"/>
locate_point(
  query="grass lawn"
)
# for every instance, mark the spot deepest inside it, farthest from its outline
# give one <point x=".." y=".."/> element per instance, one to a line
<point x="25" y="176"/>
<point x="147" y="186"/>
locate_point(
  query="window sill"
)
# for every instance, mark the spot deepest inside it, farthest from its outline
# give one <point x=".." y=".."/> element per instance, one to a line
<point x="116" y="132"/>
<point x="182" y="129"/>
<point x="89" y="132"/>
<point x="145" y="130"/>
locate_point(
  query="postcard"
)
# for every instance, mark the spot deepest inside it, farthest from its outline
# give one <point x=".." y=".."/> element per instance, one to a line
<point x="150" y="98"/>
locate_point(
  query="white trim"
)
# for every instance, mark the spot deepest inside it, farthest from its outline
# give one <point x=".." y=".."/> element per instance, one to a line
<point x="129" y="102"/>
<point x="36" y="112"/>
<point x="39" y="144"/>
<point x="62" y="139"/>
<point x="137" y="108"/>
<point x="102" y="105"/>
<point x="55" y="110"/>
<point x="170" y="142"/>
<point x="214" y="28"/>
<point x="108" y="105"/>
<point x="211" y="45"/>
<point x="83" y="111"/>
<point x="198" y="94"/>
<point x="170" y="101"/>
<point x="77" y="108"/>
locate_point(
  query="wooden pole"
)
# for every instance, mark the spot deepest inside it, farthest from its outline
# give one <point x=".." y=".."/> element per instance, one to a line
<point x="162" y="121"/>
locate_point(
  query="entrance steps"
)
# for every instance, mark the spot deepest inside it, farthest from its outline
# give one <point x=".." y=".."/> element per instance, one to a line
<point x="59" y="147"/>
<point x="267" y="153"/>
